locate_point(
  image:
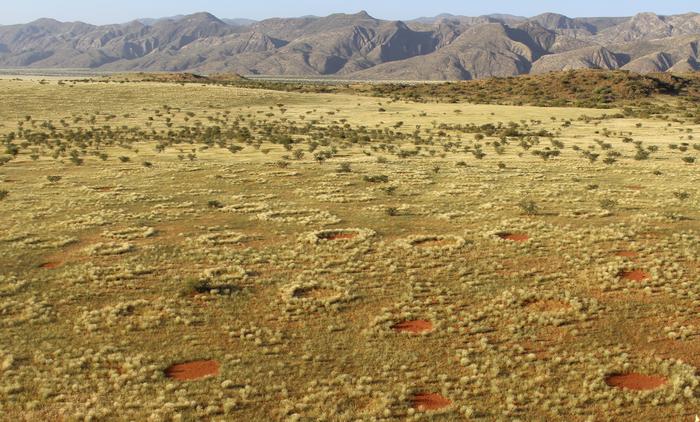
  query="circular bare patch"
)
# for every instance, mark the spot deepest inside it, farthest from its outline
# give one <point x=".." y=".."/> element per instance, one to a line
<point x="635" y="381"/>
<point x="337" y="235"/>
<point x="50" y="265"/>
<point x="193" y="370"/>
<point x="514" y="237"/>
<point x="429" y="401"/>
<point x="635" y="275"/>
<point x="416" y="326"/>
<point x="351" y="235"/>
<point x="342" y="236"/>
<point x="627" y="254"/>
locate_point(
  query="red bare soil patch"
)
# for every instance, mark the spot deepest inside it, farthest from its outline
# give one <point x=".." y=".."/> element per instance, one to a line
<point x="50" y="265"/>
<point x="414" y="326"/>
<point x="429" y="401"/>
<point x="514" y="237"/>
<point x="634" y="381"/>
<point x="341" y="236"/>
<point x="193" y="370"/>
<point x="627" y="254"/>
<point x="634" y="275"/>
<point x="635" y="187"/>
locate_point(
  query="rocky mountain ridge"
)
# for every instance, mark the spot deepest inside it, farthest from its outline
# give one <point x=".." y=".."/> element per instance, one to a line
<point x="359" y="46"/>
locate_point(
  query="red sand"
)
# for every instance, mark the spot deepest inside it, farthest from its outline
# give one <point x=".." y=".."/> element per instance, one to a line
<point x="627" y="254"/>
<point x="193" y="370"/>
<point x="341" y="236"/>
<point x="429" y="401"/>
<point x="415" y="326"/>
<point x="634" y="381"/>
<point x="635" y="275"/>
<point x="50" y="265"/>
<point x="514" y="237"/>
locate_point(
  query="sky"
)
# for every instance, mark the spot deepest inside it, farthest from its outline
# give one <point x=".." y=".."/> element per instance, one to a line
<point x="111" y="11"/>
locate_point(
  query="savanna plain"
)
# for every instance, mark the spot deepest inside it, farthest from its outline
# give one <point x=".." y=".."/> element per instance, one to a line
<point x="204" y="251"/>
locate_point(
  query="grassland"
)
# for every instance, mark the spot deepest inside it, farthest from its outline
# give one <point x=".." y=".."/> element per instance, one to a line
<point x="293" y="241"/>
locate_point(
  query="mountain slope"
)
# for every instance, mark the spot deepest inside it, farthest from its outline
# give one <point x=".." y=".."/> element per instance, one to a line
<point x="359" y="46"/>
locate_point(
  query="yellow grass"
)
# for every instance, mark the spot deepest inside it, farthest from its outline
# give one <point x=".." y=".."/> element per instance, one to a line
<point x="224" y="257"/>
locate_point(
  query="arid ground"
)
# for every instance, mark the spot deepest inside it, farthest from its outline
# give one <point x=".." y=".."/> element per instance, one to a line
<point x="203" y="252"/>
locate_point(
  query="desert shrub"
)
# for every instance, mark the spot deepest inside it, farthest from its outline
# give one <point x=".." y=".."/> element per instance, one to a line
<point x="381" y="178"/>
<point x="344" y="168"/>
<point x="682" y="196"/>
<point x="478" y="154"/>
<point x="528" y="207"/>
<point x="608" y="204"/>
<point x="641" y="155"/>
<point x="389" y="190"/>
<point x="3" y="194"/>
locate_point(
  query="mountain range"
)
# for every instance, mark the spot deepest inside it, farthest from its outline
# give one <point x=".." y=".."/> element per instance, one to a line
<point x="358" y="46"/>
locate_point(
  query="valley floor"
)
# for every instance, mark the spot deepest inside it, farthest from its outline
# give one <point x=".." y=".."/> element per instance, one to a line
<point x="336" y="257"/>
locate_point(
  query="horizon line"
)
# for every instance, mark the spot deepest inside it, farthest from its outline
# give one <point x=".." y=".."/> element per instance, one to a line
<point x="445" y="14"/>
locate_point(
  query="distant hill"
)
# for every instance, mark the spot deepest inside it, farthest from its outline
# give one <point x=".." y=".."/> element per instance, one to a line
<point x="359" y="46"/>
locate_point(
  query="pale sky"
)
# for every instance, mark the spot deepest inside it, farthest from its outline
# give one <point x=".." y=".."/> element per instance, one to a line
<point x="104" y="11"/>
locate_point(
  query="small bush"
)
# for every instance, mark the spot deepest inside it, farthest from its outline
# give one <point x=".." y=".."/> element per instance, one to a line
<point x="682" y="196"/>
<point x="528" y="207"/>
<point x="608" y="204"/>
<point x="344" y="168"/>
<point x="381" y="178"/>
